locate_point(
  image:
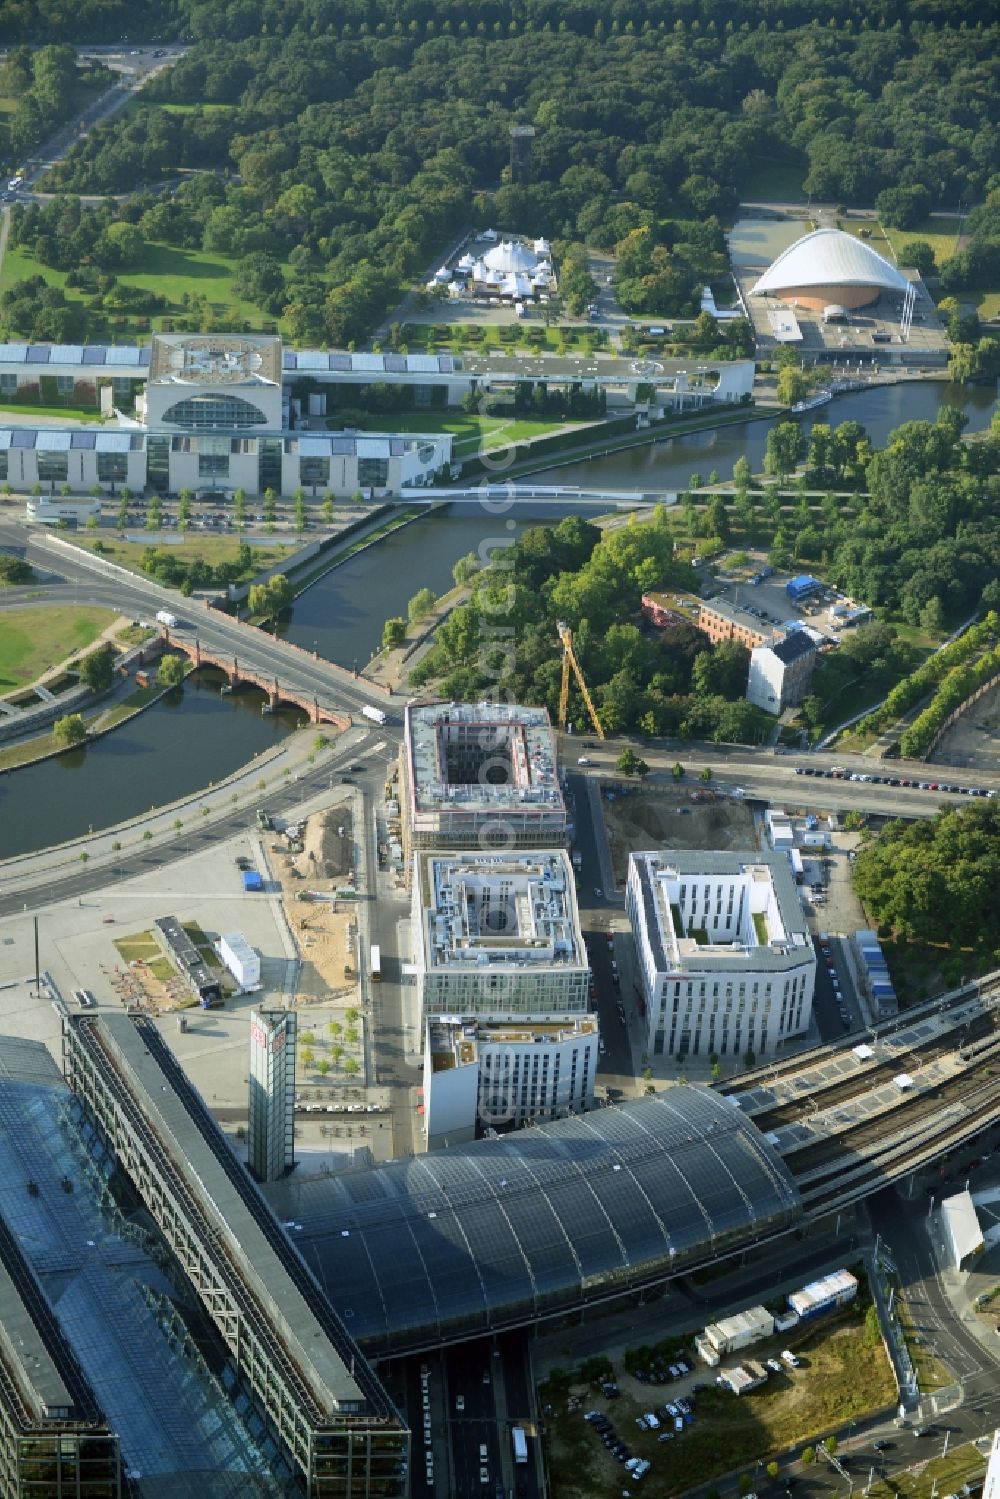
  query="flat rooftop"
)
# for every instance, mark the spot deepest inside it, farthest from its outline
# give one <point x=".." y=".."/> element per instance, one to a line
<point x="483" y="910"/>
<point x="772" y="936"/>
<point x="481" y="756"/>
<point x="302" y="1322"/>
<point x="215" y="359"/>
<point x="454" y="1043"/>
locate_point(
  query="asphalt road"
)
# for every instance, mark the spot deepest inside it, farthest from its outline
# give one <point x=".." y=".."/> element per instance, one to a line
<point x="217" y="633"/>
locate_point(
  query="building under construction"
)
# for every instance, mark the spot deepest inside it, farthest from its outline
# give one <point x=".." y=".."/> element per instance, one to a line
<point x="480" y="776"/>
<point x="287" y="1352"/>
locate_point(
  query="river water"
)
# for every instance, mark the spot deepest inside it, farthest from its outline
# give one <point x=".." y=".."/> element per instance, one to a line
<point x="190" y="737"/>
<point x="198" y="736"/>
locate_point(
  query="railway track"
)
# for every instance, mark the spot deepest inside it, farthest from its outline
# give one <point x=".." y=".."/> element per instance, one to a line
<point x="842" y="1173"/>
<point x="781" y="1069"/>
<point x="843" y="1090"/>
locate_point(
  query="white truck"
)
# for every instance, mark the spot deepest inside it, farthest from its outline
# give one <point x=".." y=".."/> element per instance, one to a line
<point x="164" y="617"/>
<point x="375" y="714"/>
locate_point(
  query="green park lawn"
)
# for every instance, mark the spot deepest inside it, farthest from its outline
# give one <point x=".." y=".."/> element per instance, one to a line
<point x="167" y="271"/>
<point x="211" y="549"/>
<point x="939" y="232"/>
<point x="75" y="413"/>
<point x="472" y="433"/>
<point x="32" y="640"/>
<point x="876" y="238"/>
<point x="773" y="182"/>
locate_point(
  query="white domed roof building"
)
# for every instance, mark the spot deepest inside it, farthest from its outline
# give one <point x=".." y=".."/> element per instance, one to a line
<point x="829" y="266"/>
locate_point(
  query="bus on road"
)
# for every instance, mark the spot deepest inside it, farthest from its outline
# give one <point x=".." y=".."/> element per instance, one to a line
<point x="376" y="965"/>
<point x="520" y="1442"/>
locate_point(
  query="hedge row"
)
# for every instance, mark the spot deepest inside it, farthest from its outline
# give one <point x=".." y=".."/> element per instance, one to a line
<point x="917" y="685"/>
<point x="957" y="687"/>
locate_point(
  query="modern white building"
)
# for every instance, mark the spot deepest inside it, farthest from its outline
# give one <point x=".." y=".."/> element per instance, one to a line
<point x="723" y="953"/>
<point x="502" y="977"/>
<point x="242" y="960"/>
<point x="211" y="413"/>
<point x="779" y="673"/>
<point x="480" y="775"/>
<point x="481" y="1075"/>
<point x="498" y="935"/>
<point x="271" y="1117"/>
<point x="961" y="1229"/>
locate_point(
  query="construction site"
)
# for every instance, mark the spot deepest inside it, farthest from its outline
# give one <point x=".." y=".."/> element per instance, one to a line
<point x="675" y="816"/>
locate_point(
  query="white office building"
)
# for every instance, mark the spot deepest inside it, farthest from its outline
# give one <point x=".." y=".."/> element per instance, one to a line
<point x="779" y="673"/>
<point x="212" y="412"/>
<point x="480" y="775"/>
<point x="723" y="954"/>
<point x="481" y="1075"/>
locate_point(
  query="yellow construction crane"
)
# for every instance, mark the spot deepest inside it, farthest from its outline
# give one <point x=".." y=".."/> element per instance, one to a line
<point x="569" y="659"/>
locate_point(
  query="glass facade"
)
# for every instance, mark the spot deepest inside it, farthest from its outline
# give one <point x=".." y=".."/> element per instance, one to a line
<point x="68" y="1467"/>
<point x="314" y="471"/>
<point x="158" y="463"/>
<point x="52" y="467"/>
<point x="269" y="463"/>
<point x="112" y="468"/>
<point x="373" y="472"/>
<point x="203" y="413"/>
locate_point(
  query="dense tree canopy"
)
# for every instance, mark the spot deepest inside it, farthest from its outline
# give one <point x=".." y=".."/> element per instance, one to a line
<point x="936" y="880"/>
<point x="505" y="638"/>
<point x="365" y="139"/>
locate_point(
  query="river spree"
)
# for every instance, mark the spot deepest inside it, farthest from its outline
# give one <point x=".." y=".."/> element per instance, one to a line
<point x="192" y="736"/>
<point x="198" y="736"/>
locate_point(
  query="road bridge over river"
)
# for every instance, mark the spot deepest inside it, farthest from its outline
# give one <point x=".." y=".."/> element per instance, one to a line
<point x="287" y="673"/>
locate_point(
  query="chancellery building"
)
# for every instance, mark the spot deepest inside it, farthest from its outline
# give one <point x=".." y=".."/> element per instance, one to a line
<point x="225" y="411"/>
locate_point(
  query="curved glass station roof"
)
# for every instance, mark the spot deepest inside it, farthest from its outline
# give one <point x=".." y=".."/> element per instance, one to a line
<point x="487" y="1235"/>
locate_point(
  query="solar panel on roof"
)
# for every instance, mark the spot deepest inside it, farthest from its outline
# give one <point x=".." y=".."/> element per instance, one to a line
<point x="373" y="447"/>
<point x="395" y="363"/>
<point x="312" y="359"/>
<point x="84" y="440"/>
<point x="314" y="447"/>
<point x="368" y="361"/>
<point x="114" y="442"/>
<point x="54" y="440"/>
<point x="446" y="363"/>
<point x="144" y="354"/>
<point x="94" y="354"/>
<point x="342" y="447"/>
<point x="340" y="361"/>
<point x="122" y="354"/>
<point x="13" y="353"/>
<point x="5" y="440"/>
<point x="23" y="437"/>
<point x="422" y="364"/>
<point x="288" y="359"/>
<point x="66" y="354"/>
<point x="397" y="447"/>
<point x="38" y="354"/>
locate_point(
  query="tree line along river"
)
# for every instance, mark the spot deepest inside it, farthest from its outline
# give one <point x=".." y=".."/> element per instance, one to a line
<point x="198" y="735"/>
